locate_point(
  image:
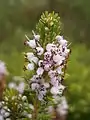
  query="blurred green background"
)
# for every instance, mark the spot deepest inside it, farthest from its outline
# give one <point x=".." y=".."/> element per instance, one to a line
<point x="19" y="17"/>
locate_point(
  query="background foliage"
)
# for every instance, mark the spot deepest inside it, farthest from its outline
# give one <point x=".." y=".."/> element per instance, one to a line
<point x="18" y="17"/>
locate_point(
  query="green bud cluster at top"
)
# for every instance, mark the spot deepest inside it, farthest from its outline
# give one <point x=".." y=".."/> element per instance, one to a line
<point x="48" y="28"/>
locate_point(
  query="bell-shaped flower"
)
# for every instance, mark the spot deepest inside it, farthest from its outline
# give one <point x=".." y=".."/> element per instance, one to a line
<point x="50" y="47"/>
<point x="34" y="59"/>
<point x="54" y="90"/>
<point x="66" y="52"/>
<point x="31" y="43"/>
<point x="40" y="63"/>
<point x="59" y="70"/>
<point x="40" y="71"/>
<point x="58" y="59"/>
<point x="30" y="56"/>
<point x="61" y="41"/>
<point x="34" y="86"/>
<point x="47" y="55"/>
<point x="42" y="92"/>
<point x="30" y="66"/>
<point x="47" y="67"/>
<point x="52" y="73"/>
<point x="54" y="82"/>
<point x="39" y="50"/>
<point x="37" y="37"/>
<point x="58" y="38"/>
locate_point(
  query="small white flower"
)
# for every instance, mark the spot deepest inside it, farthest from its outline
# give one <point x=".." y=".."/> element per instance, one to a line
<point x="66" y="52"/>
<point x="40" y="63"/>
<point x="61" y="87"/>
<point x="34" y="59"/>
<point x="24" y="98"/>
<point x="2" y="111"/>
<point x="47" y="67"/>
<point x="21" y="87"/>
<point x="12" y="85"/>
<point x="30" y="66"/>
<point x="31" y="43"/>
<point x="40" y="71"/>
<point x="58" y="38"/>
<point x="34" y="86"/>
<point x="57" y="89"/>
<point x="35" y="78"/>
<point x="40" y="50"/>
<point x="40" y="96"/>
<point x="47" y="55"/>
<point x="50" y="47"/>
<point x="54" y="82"/>
<point x="52" y="73"/>
<point x="59" y="70"/>
<point x="37" y="37"/>
<point x="7" y="114"/>
<point x="29" y="55"/>
<point x="61" y="41"/>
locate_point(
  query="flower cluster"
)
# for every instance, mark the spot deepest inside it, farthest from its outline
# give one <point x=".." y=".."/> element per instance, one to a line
<point x="14" y="104"/>
<point x="49" y="65"/>
<point x="17" y="84"/>
<point x="4" y="112"/>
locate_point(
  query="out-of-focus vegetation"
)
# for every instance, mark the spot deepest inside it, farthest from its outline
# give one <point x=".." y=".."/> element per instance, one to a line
<point x="18" y="17"/>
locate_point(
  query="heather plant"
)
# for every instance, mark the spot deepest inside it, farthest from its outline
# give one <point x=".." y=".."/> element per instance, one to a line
<point x="45" y="69"/>
<point x="46" y="60"/>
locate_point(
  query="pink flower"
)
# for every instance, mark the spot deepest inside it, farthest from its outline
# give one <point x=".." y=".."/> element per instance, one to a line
<point x="47" y="67"/>
<point x="54" y="81"/>
<point x="58" y="59"/>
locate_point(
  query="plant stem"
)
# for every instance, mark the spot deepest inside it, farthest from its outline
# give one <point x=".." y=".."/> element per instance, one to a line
<point x="35" y="113"/>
